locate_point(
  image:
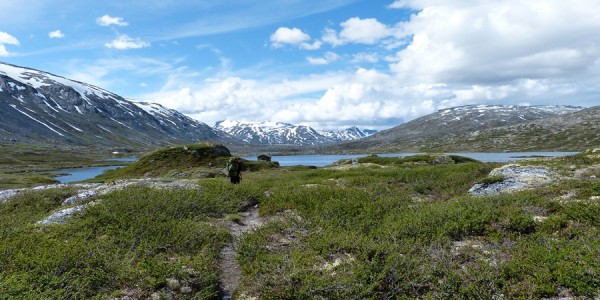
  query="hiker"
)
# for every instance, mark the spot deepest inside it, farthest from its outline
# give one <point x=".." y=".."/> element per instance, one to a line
<point x="234" y="169"/>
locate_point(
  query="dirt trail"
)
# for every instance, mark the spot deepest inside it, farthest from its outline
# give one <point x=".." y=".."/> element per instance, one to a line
<point x="231" y="272"/>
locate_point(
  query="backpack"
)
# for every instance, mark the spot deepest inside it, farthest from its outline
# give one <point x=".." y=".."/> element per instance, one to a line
<point x="233" y="166"/>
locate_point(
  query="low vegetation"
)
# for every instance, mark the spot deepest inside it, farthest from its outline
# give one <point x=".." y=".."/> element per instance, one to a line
<point x="376" y="228"/>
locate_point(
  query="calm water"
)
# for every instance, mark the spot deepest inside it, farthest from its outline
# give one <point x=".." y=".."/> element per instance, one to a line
<point x="122" y="159"/>
<point x="79" y="174"/>
<point x="324" y="160"/>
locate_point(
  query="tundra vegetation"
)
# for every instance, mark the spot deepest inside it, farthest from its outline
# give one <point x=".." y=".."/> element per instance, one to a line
<point x="376" y="228"/>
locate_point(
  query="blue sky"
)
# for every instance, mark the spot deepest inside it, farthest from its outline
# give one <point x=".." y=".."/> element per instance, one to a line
<point x="329" y="64"/>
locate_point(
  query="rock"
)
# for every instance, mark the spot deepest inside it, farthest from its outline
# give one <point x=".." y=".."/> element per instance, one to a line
<point x="515" y="170"/>
<point x="442" y="160"/>
<point x="509" y="184"/>
<point x="61" y="216"/>
<point x="517" y="177"/>
<point x="82" y="195"/>
<point x="7" y="194"/>
<point x="220" y="150"/>
<point x="264" y="157"/>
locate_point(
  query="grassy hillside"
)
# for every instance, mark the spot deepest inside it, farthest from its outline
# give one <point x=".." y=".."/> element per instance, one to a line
<point x="570" y="132"/>
<point x="377" y="229"/>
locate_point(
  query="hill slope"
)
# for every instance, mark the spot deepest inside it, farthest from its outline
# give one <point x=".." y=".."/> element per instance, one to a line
<point x="39" y="107"/>
<point x="489" y="128"/>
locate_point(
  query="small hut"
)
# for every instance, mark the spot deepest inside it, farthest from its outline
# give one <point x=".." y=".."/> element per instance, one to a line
<point x="264" y="157"/>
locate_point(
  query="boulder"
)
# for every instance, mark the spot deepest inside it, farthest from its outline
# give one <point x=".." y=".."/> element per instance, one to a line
<point x="516" y="177"/>
<point x="442" y="160"/>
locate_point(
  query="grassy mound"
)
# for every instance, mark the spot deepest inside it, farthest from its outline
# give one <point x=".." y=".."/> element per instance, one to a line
<point x="170" y="161"/>
<point x="195" y="160"/>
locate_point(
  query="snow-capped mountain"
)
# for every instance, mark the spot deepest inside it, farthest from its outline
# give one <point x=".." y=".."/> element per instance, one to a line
<point x="37" y="106"/>
<point x="277" y="133"/>
<point x="348" y="134"/>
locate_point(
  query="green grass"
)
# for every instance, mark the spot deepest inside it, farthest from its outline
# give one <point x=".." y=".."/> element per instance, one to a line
<point x="493" y="179"/>
<point x="395" y="228"/>
<point x="394" y="231"/>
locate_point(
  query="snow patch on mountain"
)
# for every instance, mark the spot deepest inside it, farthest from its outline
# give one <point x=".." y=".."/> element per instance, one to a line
<point x="269" y="132"/>
<point x="37" y="79"/>
<point x="37" y="106"/>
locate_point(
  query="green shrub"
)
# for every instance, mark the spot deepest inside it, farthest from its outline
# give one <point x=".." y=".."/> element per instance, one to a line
<point x="493" y="179"/>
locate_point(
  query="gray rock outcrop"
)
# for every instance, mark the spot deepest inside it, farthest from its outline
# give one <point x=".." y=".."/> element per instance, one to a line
<point x="515" y="177"/>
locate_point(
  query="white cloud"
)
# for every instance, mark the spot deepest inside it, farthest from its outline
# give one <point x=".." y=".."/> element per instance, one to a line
<point x="107" y="20"/>
<point x="364" y="31"/>
<point x="482" y="42"/>
<point x="314" y="46"/>
<point x="398" y="4"/>
<point x="448" y="53"/>
<point x="124" y="42"/>
<point x="7" y="39"/>
<point x="293" y="36"/>
<point x="284" y="35"/>
<point x="120" y="74"/>
<point x="326" y="59"/>
<point x="359" y="31"/>
<point x="238" y="98"/>
<point x="365" y="57"/>
<point x="330" y="36"/>
<point x="56" y="34"/>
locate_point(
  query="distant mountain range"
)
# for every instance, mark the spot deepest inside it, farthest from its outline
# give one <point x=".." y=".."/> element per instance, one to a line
<point x="277" y="133"/>
<point x="493" y="128"/>
<point x="39" y="107"/>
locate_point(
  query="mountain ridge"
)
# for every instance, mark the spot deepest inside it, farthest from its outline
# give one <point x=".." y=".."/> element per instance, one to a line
<point x="38" y="106"/>
<point x="501" y="128"/>
<point x="280" y="133"/>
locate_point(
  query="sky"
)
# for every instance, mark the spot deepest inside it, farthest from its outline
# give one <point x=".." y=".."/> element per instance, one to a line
<point x="329" y="64"/>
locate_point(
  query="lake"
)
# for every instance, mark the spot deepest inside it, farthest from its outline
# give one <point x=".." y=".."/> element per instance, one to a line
<point x="79" y="174"/>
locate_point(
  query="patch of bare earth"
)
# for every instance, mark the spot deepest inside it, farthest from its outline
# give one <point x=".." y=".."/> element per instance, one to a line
<point x="231" y="272"/>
